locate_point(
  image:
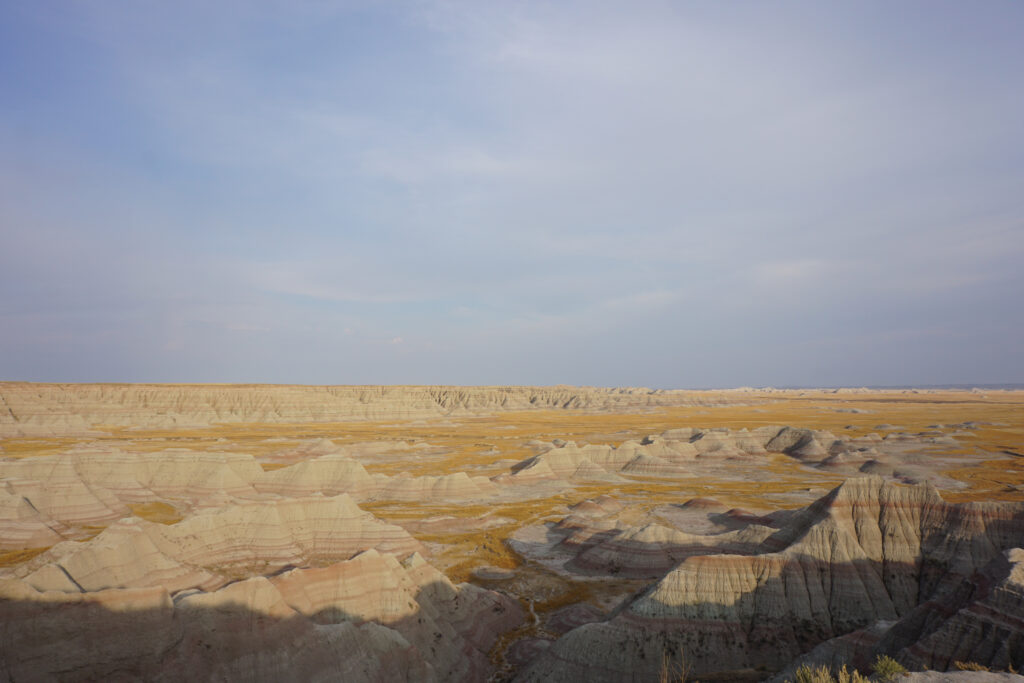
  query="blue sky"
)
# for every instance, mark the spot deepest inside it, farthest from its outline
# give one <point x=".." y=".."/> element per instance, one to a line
<point x="651" y="193"/>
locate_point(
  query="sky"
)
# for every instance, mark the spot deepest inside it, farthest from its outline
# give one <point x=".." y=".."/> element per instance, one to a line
<point x="662" y="194"/>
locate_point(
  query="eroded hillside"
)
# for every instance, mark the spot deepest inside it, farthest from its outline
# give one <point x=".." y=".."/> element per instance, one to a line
<point x="433" y="533"/>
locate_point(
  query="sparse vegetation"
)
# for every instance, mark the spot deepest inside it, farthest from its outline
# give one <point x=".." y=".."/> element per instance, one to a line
<point x="485" y="445"/>
<point x="850" y="676"/>
<point x="11" y="558"/>
<point x="887" y="669"/>
<point x="808" y="674"/>
<point x="161" y="513"/>
<point x="822" y="674"/>
<point x="673" y="670"/>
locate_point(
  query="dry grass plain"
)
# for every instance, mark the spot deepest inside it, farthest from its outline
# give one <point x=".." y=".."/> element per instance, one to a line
<point x="989" y="466"/>
<point x="486" y="445"/>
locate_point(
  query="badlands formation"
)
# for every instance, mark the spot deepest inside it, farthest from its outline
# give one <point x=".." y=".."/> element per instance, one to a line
<point x="254" y="532"/>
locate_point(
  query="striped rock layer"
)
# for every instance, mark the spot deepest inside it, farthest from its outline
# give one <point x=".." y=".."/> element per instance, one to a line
<point x="867" y="551"/>
<point x="28" y="409"/>
<point x="675" y="452"/>
<point x="370" y="618"/>
<point x="43" y="499"/>
<point x="212" y="548"/>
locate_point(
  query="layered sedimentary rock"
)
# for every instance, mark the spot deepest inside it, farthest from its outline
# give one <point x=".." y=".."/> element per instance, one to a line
<point x="652" y="456"/>
<point x="44" y="499"/>
<point x="53" y="497"/>
<point x="308" y="587"/>
<point x="451" y="487"/>
<point x="370" y="618"/>
<point x="94" y="487"/>
<point x="868" y="551"/>
<point x="22" y="525"/>
<point x="49" y="409"/>
<point x="329" y="474"/>
<point x="677" y="453"/>
<point x="277" y="574"/>
<point x="338" y="473"/>
<point x="981" y="620"/>
<point x="604" y="538"/>
<point x="651" y="550"/>
<point x="209" y="549"/>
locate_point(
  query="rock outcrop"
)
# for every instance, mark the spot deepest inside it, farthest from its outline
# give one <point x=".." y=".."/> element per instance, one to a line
<point x="981" y="620"/>
<point x="53" y="409"/>
<point x="653" y="549"/>
<point x="868" y="551"/>
<point x="95" y="487"/>
<point x="47" y="499"/>
<point x="309" y="587"/>
<point x="681" y="452"/>
<point x="22" y="525"/>
<point x="123" y="557"/>
<point x="369" y="618"/>
<point x="212" y="548"/>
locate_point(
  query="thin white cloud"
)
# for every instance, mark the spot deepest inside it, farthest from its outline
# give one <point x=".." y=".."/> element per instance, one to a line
<point x="795" y="272"/>
<point x="583" y="189"/>
<point x="295" y="279"/>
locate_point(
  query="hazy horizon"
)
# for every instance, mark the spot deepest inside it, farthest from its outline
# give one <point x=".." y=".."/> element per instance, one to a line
<point x="903" y="387"/>
<point x="670" y="195"/>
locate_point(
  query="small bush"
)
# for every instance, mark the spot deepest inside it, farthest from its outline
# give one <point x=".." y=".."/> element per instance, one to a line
<point x="887" y="668"/>
<point x="806" y="674"/>
<point x="822" y="674"/>
<point x="854" y="676"/>
<point x="970" y="666"/>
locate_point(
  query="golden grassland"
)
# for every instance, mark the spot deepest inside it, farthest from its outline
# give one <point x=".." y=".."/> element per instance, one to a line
<point x="992" y="468"/>
<point x="469" y="442"/>
<point x="158" y="512"/>
<point x="485" y="445"/>
<point x="816" y="410"/>
<point x="11" y="558"/>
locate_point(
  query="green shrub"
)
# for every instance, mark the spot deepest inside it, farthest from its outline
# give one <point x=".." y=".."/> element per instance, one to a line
<point x="854" y="676"/>
<point x="887" y="669"/>
<point x="821" y="674"/>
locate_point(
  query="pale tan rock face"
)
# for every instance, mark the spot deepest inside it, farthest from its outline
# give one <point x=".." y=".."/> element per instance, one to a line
<point x="339" y="473"/>
<point x="57" y="491"/>
<point x="868" y="551"/>
<point x="978" y="621"/>
<point x="458" y="624"/>
<point x="53" y="409"/>
<point x="43" y="498"/>
<point x="22" y="525"/>
<point x="452" y="488"/>
<point x="981" y="620"/>
<point x="210" y="548"/>
<point x="679" y="453"/>
<point x="652" y="550"/>
<point x="249" y="554"/>
<point x="245" y="631"/>
<point x="368" y="618"/>
<point x="329" y="474"/>
<point x="94" y="487"/>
